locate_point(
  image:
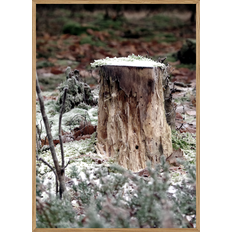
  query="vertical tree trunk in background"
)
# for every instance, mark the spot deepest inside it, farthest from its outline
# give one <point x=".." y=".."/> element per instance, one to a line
<point x="132" y="126"/>
<point x="168" y="105"/>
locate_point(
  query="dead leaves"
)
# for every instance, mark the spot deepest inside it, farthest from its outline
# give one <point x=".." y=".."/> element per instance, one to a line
<point x="191" y="112"/>
<point x="173" y="161"/>
<point x="193" y="100"/>
<point x="45" y="142"/>
<point x="79" y="133"/>
<point x="101" y="35"/>
<point x="56" y="70"/>
<point x="73" y="48"/>
<point x="173" y="158"/>
<point x="185" y="100"/>
<point x="144" y="173"/>
<point x="183" y="75"/>
<point x="178" y="116"/>
<point x="187" y="128"/>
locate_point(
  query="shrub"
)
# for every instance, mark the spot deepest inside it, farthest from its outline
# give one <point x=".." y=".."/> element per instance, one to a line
<point x="112" y="197"/>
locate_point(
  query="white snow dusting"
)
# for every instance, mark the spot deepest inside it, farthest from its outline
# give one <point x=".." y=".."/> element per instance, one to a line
<point x="131" y="60"/>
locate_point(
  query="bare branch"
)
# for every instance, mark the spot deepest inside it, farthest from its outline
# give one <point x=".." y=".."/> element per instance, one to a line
<point x="59" y="171"/>
<point x="60" y="119"/>
<point x="42" y="160"/>
<point x="180" y="127"/>
<point x="67" y="164"/>
<point x="46" y="123"/>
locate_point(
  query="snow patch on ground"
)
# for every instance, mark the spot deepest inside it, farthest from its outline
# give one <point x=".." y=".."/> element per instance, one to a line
<point x="69" y="119"/>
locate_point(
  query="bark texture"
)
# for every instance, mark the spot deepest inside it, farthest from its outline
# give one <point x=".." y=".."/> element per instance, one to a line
<point x="132" y="126"/>
<point x="168" y="104"/>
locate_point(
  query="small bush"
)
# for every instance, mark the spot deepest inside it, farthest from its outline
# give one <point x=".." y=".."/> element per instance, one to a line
<point x="73" y="28"/>
<point x="121" y="199"/>
<point x="43" y="64"/>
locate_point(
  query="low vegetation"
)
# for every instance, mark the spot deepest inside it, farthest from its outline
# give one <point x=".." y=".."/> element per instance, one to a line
<point x="101" y="194"/>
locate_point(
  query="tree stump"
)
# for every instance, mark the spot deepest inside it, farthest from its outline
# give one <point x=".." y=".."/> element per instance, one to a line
<point x="132" y="126"/>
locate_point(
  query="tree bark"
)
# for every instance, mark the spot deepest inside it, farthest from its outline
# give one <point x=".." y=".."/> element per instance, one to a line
<point x="132" y="126"/>
<point x="168" y="104"/>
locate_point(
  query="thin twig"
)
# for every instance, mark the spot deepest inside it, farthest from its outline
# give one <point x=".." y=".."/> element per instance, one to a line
<point x="67" y="164"/>
<point x="183" y="108"/>
<point x="41" y="127"/>
<point x="50" y="139"/>
<point x="186" y="129"/>
<point x="180" y="127"/>
<point x="45" y="162"/>
<point x="54" y="171"/>
<point x="46" y="123"/>
<point x="37" y="139"/>
<point x="173" y="111"/>
<point x="60" y="119"/>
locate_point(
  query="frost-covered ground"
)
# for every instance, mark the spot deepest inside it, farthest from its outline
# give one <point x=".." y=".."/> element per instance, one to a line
<point x="82" y="154"/>
<point x="70" y="119"/>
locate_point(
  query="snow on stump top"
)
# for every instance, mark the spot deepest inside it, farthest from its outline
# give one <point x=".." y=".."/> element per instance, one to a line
<point x="132" y="60"/>
<point x="132" y="127"/>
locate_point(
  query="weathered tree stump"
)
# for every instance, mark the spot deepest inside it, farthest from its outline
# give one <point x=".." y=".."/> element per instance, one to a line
<point x="132" y="126"/>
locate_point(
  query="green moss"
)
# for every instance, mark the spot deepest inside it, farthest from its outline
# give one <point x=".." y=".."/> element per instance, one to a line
<point x="187" y="54"/>
<point x="43" y="64"/>
<point x="87" y="160"/>
<point x="82" y="105"/>
<point x="75" y="28"/>
<point x="165" y="37"/>
<point x="92" y="41"/>
<point x="66" y="63"/>
<point x="186" y="142"/>
<point x="189" y="66"/>
<point x="77" y="93"/>
<point x="50" y="83"/>
<point x="161" y="21"/>
<point x="87" y="145"/>
<point x="109" y="23"/>
<point x="171" y="57"/>
<point x="62" y="13"/>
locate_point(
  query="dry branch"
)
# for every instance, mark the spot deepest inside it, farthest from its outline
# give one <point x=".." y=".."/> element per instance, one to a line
<point x="59" y="171"/>
<point x="60" y="119"/>
<point x="54" y="171"/>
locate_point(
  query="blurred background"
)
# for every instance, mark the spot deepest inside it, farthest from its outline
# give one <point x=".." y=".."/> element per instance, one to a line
<point x="76" y="35"/>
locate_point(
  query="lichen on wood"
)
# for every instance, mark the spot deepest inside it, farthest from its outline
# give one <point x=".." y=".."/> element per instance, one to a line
<point x="78" y="91"/>
<point x="132" y="126"/>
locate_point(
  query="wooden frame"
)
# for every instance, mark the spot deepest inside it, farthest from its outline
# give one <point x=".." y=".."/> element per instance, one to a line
<point x="34" y="2"/>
